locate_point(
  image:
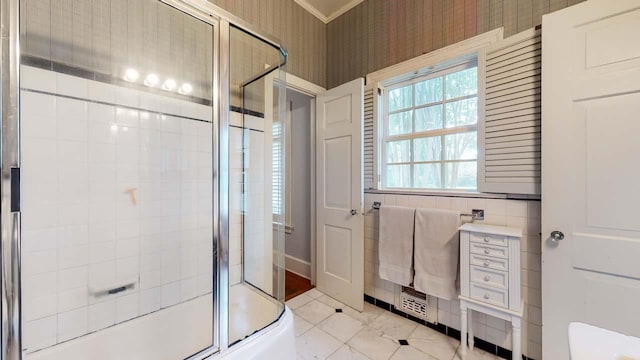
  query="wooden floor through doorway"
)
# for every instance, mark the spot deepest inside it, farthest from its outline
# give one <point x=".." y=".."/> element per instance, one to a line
<point x="295" y="285"/>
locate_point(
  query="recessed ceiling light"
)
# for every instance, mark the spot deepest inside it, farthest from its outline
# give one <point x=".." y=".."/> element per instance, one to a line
<point x="185" y="89"/>
<point x="169" y="85"/>
<point x="131" y="75"/>
<point x="152" y="80"/>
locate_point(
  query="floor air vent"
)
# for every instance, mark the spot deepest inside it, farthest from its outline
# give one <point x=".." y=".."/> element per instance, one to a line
<point x="416" y="306"/>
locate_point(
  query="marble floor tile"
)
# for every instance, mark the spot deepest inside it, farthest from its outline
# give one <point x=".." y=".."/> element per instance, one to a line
<point x="316" y="344"/>
<point x="314" y="293"/>
<point x="476" y="354"/>
<point x="314" y="311"/>
<point x="329" y="301"/>
<point x="347" y="352"/>
<point x="411" y="353"/>
<point x="341" y="326"/>
<point x="394" y="326"/>
<point x="298" y="301"/>
<point x="431" y="342"/>
<point x="373" y="334"/>
<point x="300" y="325"/>
<point x="370" y="313"/>
<point x="374" y="344"/>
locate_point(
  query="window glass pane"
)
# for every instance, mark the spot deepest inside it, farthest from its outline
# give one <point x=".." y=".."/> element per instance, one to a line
<point x="400" y="98"/>
<point x="398" y="151"/>
<point x="461" y="146"/>
<point x="400" y="123"/>
<point x="429" y="118"/>
<point x="461" y="112"/>
<point x="461" y="83"/>
<point x="429" y="91"/>
<point x="398" y="176"/>
<point x="427" y="176"/>
<point x="426" y="149"/>
<point x="460" y="175"/>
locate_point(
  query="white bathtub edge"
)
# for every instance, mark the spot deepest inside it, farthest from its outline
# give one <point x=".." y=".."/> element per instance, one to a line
<point x="275" y="342"/>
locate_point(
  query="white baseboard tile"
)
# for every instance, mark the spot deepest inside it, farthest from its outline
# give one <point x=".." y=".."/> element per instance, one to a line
<point x="298" y="266"/>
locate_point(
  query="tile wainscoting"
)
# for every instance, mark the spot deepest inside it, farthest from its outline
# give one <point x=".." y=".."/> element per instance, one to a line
<point x="524" y="214"/>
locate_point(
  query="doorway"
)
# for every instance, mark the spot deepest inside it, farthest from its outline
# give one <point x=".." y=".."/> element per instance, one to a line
<point x="298" y="220"/>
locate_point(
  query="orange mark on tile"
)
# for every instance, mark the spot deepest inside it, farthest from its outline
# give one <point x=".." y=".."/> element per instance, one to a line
<point x="132" y="194"/>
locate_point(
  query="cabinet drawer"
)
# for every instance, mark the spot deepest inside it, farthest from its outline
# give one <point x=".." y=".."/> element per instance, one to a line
<point x="488" y="250"/>
<point x="485" y="276"/>
<point x="491" y="263"/>
<point x="499" y="297"/>
<point x="496" y="240"/>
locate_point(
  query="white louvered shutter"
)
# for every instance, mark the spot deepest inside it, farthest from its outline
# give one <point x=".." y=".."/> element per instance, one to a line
<point x="369" y="139"/>
<point x="510" y="133"/>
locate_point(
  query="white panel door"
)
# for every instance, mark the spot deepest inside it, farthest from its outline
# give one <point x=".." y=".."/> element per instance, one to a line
<point x="340" y="224"/>
<point x="591" y="169"/>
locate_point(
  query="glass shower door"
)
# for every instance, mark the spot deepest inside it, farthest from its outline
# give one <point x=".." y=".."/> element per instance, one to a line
<point x="257" y="193"/>
<point x="117" y="124"/>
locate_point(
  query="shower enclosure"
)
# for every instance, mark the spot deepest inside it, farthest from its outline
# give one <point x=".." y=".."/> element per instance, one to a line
<point x="142" y="176"/>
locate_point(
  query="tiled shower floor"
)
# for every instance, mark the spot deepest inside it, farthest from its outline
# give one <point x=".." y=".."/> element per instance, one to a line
<point x="324" y="333"/>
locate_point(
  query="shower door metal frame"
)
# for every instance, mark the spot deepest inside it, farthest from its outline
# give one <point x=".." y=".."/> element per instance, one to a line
<point x="10" y="231"/>
<point x="220" y="216"/>
<point x="10" y="145"/>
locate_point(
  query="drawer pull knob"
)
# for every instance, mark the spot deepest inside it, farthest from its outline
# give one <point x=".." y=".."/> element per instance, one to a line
<point x="486" y="251"/>
<point x="487" y="278"/>
<point x="486" y="296"/>
<point x="486" y="239"/>
<point x="487" y="263"/>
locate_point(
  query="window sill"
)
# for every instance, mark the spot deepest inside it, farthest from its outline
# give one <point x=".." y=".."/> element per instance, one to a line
<point x="452" y="193"/>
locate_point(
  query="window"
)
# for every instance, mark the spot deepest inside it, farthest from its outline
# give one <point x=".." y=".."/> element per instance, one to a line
<point x="282" y="207"/>
<point x="429" y="131"/>
<point x="277" y="191"/>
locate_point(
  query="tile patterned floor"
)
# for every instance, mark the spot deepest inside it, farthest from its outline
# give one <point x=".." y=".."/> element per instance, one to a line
<point x="374" y="334"/>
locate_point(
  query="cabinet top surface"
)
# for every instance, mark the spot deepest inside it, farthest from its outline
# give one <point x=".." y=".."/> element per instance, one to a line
<point x="492" y="229"/>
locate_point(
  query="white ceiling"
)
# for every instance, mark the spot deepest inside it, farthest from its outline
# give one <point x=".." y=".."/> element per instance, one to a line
<point x="327" y="10"/>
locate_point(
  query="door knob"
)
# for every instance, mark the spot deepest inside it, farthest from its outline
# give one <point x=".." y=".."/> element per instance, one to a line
<point x="556" y="236"/>
<point x="354" y="211"/>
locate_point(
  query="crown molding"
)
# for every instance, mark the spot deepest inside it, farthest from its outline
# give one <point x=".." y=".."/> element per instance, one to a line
<point x="327" y="19"/>
<point x="312" y="10"/>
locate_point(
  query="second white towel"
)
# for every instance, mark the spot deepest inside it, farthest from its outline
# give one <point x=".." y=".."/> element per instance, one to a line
<point x="395" y="249"/>
<point x="436" y="252"/>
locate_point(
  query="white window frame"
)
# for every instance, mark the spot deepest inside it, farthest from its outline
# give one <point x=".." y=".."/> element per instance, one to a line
<point x="385" y="137"/>
<point x="469" y="48"/>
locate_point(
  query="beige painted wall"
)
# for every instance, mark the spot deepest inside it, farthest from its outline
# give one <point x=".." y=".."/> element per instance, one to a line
<point x="380" y="33"/>
<point x="302" y="34"/>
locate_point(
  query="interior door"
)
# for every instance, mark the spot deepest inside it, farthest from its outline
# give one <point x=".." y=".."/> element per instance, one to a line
<point x="340" y="224"/>
<point x="591" y="167"/>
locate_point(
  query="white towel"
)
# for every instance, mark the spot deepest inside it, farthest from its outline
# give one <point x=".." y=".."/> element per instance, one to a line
<point x="395" y="248"/>
<point x="436" y="256"/>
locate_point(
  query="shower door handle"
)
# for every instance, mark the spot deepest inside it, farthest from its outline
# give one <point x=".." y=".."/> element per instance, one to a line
<point x="15" y="189"/>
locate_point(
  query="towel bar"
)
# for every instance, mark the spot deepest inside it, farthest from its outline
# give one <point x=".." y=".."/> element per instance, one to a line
<point x="476" y="214"/>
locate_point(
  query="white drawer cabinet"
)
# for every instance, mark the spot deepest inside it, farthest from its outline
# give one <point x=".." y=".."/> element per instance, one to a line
<point x="490" y="278"/>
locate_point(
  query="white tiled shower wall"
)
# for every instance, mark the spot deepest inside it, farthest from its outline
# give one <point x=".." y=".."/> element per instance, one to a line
<point x="247" y="198"/>
<point x="82" y="150"/>
<point x="524" y="214"/>
<point x="235" y="204"/>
